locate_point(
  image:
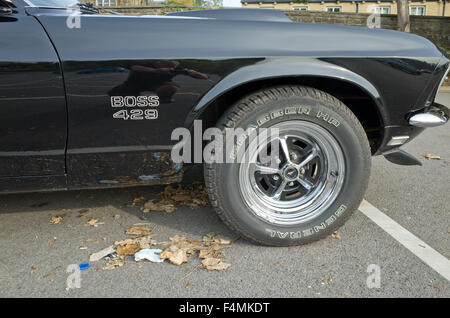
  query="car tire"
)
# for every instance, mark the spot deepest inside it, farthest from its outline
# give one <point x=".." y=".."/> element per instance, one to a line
<point x="300" y="203"/>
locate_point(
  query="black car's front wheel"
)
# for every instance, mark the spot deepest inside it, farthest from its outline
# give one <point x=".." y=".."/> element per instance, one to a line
<point x="301" y="179"/>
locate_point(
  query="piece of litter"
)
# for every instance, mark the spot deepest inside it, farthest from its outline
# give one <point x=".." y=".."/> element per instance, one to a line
<point x="149" y="254"/>
<point x="104" y="252"/>
<point x="84" y="266"/>
<point x="83" y="248"/>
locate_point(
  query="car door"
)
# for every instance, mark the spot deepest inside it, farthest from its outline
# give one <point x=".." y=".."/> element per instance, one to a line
<point x="33" y="122"/>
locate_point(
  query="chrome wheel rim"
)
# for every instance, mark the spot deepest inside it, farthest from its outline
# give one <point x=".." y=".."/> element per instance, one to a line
<point x="303" y="180"/>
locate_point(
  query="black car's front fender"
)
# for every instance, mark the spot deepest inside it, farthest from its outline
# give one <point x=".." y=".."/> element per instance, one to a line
<point x="275" y="68"/>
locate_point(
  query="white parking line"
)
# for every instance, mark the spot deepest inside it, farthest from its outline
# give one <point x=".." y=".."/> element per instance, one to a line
<point x="419" y="248"/>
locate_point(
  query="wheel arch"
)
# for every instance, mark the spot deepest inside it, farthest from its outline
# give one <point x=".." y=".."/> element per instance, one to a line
<point x="354" y="91"/>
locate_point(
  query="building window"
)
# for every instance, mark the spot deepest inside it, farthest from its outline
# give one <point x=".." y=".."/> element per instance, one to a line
<point x="383" y="10"/>
<point x="334" y="9"/>
<point x="302" y="8"/>
<point x="417" y="10"/>
<point x="105" y="3"/>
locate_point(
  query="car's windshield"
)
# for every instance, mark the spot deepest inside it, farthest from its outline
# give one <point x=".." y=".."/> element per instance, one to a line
<point x="53" y="3"/>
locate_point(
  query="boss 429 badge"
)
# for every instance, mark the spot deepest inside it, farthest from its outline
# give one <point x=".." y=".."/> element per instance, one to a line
<point x="132" y="107"/>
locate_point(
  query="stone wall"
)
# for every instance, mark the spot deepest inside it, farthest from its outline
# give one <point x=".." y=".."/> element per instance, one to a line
<point x="149" y="10"/>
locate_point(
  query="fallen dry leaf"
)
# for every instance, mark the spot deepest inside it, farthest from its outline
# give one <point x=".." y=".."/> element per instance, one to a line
<point x="51" y="272"/>
<point x="139" y="231"/>
<point x="429" y="156"/>
<point x="436" y="286"/>
<point x="94" y="222"/>
<point x="92" y="240"/>
<point x="56" y="219"/>
<point x="336" y="235"/>
<point x="159" y="207"/>
<point x="113" y="263"/>
<point x="214" y="264"/>
<point x="53" y="241"/>
<point x="129" y="249"/>
<point x="175" y="255"/>
<point x="142" y="241"/>
<point x="138" y="199"/>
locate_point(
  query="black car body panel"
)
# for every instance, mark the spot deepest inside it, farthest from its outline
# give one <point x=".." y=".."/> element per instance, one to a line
<point x="33" y="125"/>
<point x="190" y="60"/>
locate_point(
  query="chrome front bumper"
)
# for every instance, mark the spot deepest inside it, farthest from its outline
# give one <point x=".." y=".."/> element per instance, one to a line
<point x="435" y="115"/>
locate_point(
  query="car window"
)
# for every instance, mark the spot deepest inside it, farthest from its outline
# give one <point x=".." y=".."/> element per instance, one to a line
<point x="53" y="3"/>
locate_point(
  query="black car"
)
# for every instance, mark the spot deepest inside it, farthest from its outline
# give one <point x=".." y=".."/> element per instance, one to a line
<point x="91" y="100"/>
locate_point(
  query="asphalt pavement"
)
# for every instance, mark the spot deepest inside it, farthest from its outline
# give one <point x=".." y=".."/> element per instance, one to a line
<point x="35" y="254"/>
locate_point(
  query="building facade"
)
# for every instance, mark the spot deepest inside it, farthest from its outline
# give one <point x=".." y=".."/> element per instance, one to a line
<point x="429" y="8"/>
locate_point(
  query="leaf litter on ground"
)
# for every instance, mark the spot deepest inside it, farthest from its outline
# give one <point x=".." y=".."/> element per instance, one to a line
<point x="193" y="196"/>
<point x="178" y="250"/>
